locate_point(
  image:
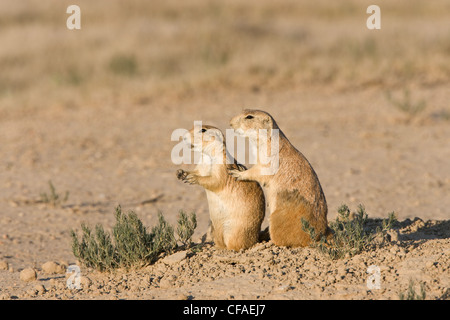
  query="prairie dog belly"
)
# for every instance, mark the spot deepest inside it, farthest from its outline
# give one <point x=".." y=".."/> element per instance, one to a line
<point x="217" y="208"/>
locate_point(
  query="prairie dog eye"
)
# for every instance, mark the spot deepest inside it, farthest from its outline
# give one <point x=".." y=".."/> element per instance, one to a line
<point x="203" y="130"/>
<point x="249" y="117"/>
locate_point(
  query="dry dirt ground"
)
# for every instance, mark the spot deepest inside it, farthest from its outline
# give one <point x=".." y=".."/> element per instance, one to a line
<point x="97" y="123"/>
<point x="265" y="272"/>
<point x="122" y="156"/>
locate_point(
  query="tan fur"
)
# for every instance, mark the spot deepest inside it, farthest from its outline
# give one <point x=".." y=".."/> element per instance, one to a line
<point x="293" y="192"/>
<point x="236" y="208"/>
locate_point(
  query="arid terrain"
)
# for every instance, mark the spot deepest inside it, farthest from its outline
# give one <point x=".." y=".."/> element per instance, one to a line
<point x="93" y="110"/>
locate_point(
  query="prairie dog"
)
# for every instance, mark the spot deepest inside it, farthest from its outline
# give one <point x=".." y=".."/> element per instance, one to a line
<point x="293" y="191"/>
<point x="236" y="208"/>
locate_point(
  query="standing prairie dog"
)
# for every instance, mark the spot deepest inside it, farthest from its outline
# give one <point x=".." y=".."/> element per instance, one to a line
<point x="236" y="208"/>
<point x="292" y="189"/>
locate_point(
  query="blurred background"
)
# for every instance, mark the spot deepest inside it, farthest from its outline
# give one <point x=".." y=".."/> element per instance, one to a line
<point x="133" y="52"/>
<point x="92" y="110"/>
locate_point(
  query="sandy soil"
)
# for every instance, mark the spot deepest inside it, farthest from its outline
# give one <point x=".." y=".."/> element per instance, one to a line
<point x="105" y="157"/>
<point x="265" y="271"/>
<point x="107" y="142"/>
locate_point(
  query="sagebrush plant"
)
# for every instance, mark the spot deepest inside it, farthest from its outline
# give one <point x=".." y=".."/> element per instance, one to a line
<point x="95" y="248"/>
<point x="130" y="244"/>
<point x="185" y="227"/>
<point x="350" y="233"/>
<point x="163" y="235"/>
<point x="133" y="244"/>
<point x="53" y="198"/>
<point x="388" y="223"/>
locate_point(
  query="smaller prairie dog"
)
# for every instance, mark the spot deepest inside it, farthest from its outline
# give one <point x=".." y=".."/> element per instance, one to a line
<point x="236" y="208"/>
<point x="293" y="191"/>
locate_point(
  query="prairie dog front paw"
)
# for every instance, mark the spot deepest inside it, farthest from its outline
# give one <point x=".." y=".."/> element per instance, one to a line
<point x="235" y="173"/>
<point x="181" y="174"/>
<point x="186" y="177"/>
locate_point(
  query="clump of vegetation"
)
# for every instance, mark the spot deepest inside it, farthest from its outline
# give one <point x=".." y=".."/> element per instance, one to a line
<point x="123" y="65"/>
<point x="163" y="236"/>
<point x="133" y="244"/>
<point x="351" y="235"/>
<point x="53" y="198"/>
<point x="130" y="244"/>
<point x="406" y="104"/>
<point x="411" y="292"/>
<point x="387" y="224"/>
<point x="185" y="227"/>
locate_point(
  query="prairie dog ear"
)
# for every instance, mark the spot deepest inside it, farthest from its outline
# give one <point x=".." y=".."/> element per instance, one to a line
<point x="267" y="121"/>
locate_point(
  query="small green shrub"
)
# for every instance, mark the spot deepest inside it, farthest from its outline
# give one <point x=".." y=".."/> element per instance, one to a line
<point x="133" y="244"/>
<point x="388" y="223"/>
<point x="94" y="249"/>
<point x="163" y="235"/>
<point x="130" y="244"/>
<point x="351" y="235"/>
<point x="411" y="292"/>
<point x="53" y="198"/>
<point x="185" y="227"/>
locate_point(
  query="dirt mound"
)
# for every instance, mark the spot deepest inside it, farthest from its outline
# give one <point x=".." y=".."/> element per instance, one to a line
<point x="265" y="271"/>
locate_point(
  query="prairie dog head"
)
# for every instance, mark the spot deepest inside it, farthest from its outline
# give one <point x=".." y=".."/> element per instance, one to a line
<point x="263" y="134"/>
<point x="249" y="122"/>
<point x="206" y="139"/>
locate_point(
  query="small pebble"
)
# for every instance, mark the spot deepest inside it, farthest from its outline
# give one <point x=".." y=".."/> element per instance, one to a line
<point x="394" y="249"/>
<point x="175" y="258"/>
<point x="85" y="282"/>
<point x="40" y="289"/>
<point x="31" y="292"/>
<point x="4" y="265"/>
<point x="5" y="296"/>
<point x="283" y="288"/>
<point x="52" y="267"/>
<point x="28" y="274"/>
<point x="394" y="234"/>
